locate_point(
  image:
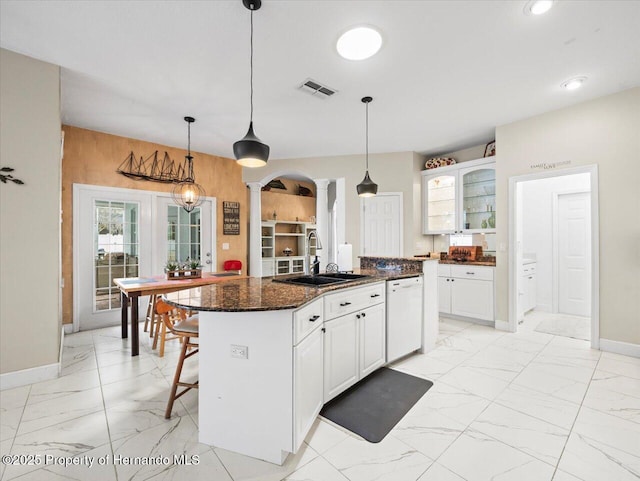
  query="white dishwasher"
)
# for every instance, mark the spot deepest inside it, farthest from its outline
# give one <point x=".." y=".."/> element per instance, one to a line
<point x="404" y="317"/>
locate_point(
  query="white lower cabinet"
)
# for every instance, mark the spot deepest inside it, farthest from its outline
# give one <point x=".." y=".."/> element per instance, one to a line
<point x="354" y="347"/>
<point x="308" y="391"/>
<point x="340" y="355"/>
<point x="465" y="290"/>
<point x="372" y="340"/>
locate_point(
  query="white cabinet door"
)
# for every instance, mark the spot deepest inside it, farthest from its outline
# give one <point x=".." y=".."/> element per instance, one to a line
<point x="340" y="355"/>
<point x="372" y="339"/>
<point x="308" y="395"/>
<point x="439" y="208"/>
<point x="472" y="298"/>
<point x="444" y="294"/>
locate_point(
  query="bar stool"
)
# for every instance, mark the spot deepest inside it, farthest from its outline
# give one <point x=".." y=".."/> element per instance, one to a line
<point x="150" y="320"/>
<point x="185" y="328"/>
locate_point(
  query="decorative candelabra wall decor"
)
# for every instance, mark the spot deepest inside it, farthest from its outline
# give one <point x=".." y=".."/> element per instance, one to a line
<point x="154" y="169"/>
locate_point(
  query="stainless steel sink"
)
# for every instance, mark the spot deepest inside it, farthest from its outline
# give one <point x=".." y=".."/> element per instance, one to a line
<point x="321" y="279"/>
<point x="344" y="275"/>
<point x="311" y="280"/>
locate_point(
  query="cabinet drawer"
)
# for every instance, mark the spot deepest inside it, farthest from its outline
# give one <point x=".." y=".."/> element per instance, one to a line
<point x="307" y="319"/>
<point x="351" y="300"/>
<point x="472" y="272"/>
<point x="444" y="270"/>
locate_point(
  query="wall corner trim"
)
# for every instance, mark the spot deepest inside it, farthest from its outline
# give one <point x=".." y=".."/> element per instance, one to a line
<point x="620" y="347"/>
<point x="9" y="380"/>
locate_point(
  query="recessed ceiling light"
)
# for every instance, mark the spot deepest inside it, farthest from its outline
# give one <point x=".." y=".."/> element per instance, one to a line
<point x="537" y="7"/>
<point x="359" y="43"/>
<point x="573" y="83"/>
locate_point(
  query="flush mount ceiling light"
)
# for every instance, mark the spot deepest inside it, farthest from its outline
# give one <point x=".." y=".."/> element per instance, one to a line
<point x="573" y="83"/>
<point x="187" y="194"/>
<point x="537" y="7"/>
<point x="367" y="188"/>
<point x="359" y="43"/>
<point x="250" y="151"/>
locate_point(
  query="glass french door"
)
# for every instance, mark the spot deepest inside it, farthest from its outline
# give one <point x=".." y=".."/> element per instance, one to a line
<point x="130" y="233"/>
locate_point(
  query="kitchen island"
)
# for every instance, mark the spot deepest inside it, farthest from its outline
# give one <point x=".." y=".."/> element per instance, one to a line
<point x="273" y="353"/>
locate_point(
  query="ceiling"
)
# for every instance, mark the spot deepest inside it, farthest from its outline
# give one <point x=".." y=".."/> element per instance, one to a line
<point x="448" y="72"/>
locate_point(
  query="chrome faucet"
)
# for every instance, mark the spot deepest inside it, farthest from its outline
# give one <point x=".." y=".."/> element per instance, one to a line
<point x="314" y="267"/>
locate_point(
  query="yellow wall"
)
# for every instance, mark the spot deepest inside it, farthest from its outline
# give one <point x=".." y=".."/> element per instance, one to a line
<point x="93" y="158"/>
<point x="29" y="213"/>
<point x="287" y="204"/>
<point x="604" y="132"/>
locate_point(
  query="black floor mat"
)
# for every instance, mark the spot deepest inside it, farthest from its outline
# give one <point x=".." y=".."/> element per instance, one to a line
<point x="373" y="406"/>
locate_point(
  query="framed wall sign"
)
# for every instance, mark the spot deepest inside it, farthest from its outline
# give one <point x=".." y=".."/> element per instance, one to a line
<point x="231" y="218"/>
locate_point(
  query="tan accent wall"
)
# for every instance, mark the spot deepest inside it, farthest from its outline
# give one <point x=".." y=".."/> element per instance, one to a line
<point x="29" y="213"/>
<point x="287" y="204"/>
<point x="93" y="158"/>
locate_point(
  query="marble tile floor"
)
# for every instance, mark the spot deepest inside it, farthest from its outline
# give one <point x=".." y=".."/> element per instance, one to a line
<point x="565" y="325"/>
<point x="525" y="406"/>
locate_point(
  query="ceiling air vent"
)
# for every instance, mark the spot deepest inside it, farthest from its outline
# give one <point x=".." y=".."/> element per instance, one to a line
<point x="317" y="89"/>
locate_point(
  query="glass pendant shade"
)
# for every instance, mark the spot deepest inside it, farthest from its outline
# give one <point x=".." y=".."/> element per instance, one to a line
<point x="367" y="188"/>
<point x="186" y="193"/>
<point x="250" y="151"/>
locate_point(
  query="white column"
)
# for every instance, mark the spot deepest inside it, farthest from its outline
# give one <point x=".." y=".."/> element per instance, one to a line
<point x="255" y="220"/>
<point x="322" y="219"/>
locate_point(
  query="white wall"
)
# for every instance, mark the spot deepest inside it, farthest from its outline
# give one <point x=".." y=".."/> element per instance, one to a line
<point x="537" y="227"/>
<point x="30" y="320"/>
<point x="393" y="172"/>
<point x="602" y="132"/>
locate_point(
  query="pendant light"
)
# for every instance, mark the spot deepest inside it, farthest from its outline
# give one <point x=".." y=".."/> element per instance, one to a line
<point x="186" y="193"/>
<point x="367" y="188"/>
<point x="250" y="151"/>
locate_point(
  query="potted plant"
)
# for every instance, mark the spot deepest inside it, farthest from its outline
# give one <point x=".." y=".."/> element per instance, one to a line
<point x="190" y="269"/>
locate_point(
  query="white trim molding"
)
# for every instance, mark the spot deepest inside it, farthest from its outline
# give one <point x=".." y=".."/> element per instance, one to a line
<point x="620" y="347"/>
<point x="9" y="380"/>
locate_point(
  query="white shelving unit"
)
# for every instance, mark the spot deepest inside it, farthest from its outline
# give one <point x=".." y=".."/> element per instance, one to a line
<point x="275" y="236"/>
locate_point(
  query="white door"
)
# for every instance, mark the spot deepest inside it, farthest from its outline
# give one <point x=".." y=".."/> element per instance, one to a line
<point x="574" y="254"/>
<point x="183" y="235"/>
<point x="112" y="238"/>
<point x="382" y="225"/>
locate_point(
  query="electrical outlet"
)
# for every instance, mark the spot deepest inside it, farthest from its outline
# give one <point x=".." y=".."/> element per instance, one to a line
<point x="225" y="246"/>
<point x="240" y="352"/>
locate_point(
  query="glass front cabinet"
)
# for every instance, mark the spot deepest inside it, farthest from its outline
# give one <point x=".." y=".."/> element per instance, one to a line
<point x="460" y="198"/>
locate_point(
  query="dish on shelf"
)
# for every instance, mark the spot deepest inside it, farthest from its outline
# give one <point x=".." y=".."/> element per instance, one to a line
<point x="439" y="162"/>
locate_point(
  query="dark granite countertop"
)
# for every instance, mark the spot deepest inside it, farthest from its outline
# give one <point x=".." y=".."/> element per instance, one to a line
<point x="263" y="294"/>
<point x="469" y="263"/>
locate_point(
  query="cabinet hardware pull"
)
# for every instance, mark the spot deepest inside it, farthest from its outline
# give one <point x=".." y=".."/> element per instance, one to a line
<point x="375" y="295"/>
<point x="343" y="304"/>
<point x="396" y="283"/>
<point x="364" y="314"/>
<point x="452" y="280"/>
<point x="448" y="280"/>
<point x="471" y="273"/>
<point x="531" y="277"/>
<point x="357" y="316"/>
<point x="314" y="318"/>
<point x="323" y="329"/>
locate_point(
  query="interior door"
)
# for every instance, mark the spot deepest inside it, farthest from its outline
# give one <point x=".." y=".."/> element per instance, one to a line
<point x="574" y="254"/>
<point x="382" y="225"/>
<point x="113" y="235"/>
<point x="183" y="235"/>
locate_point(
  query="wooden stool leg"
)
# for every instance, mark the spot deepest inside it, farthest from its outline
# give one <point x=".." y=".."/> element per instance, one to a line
<point x="154" y="317"/>
<point x="163" y="337"/>
<point x="159" y="327"/>
<point x="176" y="379"/>
<point x="149" y="314"/>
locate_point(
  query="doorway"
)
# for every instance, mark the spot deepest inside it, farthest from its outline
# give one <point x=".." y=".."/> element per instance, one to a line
<point x="553" y="256"/>
<point x="130" y="233"/>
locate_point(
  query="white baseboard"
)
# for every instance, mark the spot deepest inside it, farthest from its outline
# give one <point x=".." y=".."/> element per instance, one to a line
<point x="619" y="347"/>
<point x="67" y="328"/>
<point x="9" y="380"/>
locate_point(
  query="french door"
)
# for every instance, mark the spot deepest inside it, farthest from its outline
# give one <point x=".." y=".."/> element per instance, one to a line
<point x="130" y="233"/>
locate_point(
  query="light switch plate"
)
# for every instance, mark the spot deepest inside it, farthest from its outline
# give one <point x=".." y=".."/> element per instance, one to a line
<point x="225" y="246"/>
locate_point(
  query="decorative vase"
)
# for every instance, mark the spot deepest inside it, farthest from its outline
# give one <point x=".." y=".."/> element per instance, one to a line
<point x="492" y="220"/>
<point x="484" y="223"/>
